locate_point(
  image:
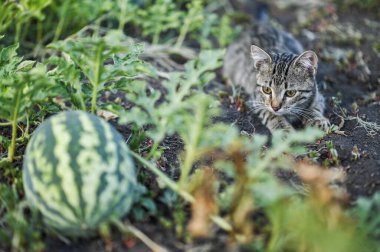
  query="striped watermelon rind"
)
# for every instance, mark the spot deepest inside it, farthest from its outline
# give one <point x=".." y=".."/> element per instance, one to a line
<point x="78" y="173"/>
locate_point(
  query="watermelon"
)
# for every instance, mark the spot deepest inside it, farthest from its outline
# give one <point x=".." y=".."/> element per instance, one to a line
<point x="78" y="173"/>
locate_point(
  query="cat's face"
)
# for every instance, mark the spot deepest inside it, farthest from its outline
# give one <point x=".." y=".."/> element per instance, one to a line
<point x="285" y="83"/>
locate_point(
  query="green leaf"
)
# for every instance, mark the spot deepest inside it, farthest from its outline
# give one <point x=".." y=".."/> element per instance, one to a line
<point x="25" y="65"/>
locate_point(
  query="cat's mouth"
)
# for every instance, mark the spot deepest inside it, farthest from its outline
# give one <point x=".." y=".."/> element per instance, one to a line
<point x="279" y="112"/>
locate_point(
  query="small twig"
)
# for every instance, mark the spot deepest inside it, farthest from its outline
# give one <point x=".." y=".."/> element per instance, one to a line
<point x="371" y="128"/>
<point x="5" y="124"/>
<point x="61" y="237"/>
<point x="129" y="228"/>
<point x="341" y="124"/>
<point x="163" y="75"/>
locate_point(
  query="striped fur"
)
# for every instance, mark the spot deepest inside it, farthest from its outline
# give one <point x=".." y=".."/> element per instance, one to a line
<point x="78" y="173"/>
<point x="281" y="68"/>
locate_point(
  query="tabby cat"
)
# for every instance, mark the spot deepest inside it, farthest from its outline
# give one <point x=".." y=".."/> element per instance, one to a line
<point x="280" y="78"/>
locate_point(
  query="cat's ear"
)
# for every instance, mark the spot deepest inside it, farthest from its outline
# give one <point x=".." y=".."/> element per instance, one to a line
<point x="259" y="57"/>
<point x="308" y="60"/>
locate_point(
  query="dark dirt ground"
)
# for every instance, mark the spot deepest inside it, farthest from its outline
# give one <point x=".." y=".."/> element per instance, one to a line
<point x="363" y="174"/>
<point x="357" y="90"/>
<point x="348" y="83"/>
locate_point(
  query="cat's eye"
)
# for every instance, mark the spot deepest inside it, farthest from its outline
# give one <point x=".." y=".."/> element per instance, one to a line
<point x="290" y="93"/>
<point x="266" y="90"/>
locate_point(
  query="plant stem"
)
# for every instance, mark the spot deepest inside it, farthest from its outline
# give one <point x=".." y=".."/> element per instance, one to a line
<point x="276" y="229"/>
<point x="153" y="149"/>
<point x="62" y="20"/>
<point x="182" y="34"/>
<point x="78" y="97"/>
<point x="23" y="34"/>
<point x="18" y="31"/>
<point x="156" y="38"/>
<point x="26" y="133"/>
<point x="38" y="46"/>
<point x="170" y="183"/>
<point x="12" y="147"/>
<point x="98" y="72"/>
<point x="129" y="228"/>
<point x="222" y="223"/>
<point x="189" y="157"/>
<point x="39" y="33"/>
<point x="269" y="156"/>
<point x="191" y="146"/>
<point x="121" y="24"/>
<point x="82" y="103"/>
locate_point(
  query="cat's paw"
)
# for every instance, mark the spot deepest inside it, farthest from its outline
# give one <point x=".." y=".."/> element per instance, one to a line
<point x="287" y="129"/>
<point x="283" y="127"/>
<point x="320" y="122"/>
<point x="284" y="131"/>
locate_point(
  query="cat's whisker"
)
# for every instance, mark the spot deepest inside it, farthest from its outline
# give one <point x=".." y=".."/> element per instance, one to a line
<point x="256" y="109"/>
<point x="301" y="113"/>
<point x="258" y="103"/>
<point x="296" y="115"/>
<point x="305" y="110"/>
<point x="255" y="106"/>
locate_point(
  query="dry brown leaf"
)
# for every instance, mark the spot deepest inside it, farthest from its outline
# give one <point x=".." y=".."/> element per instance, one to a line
<point x="107" y="115"/>
<point x="203" y="189"/>
<point x="325" y="184"/>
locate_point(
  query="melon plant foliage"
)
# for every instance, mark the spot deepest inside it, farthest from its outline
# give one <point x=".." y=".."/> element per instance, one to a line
<point x="23" y="84"/>
<point x="89" y="55"/>
<point x="77" y="172"/>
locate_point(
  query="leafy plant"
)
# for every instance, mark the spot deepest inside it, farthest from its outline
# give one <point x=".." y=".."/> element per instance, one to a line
<point x="193" y="20"/>
<point x="29" y="10"/>
<point x="332" y="152"/>
<point x="365" y="212"/>
<point x="215" y="28"/>
<point x="183" y="96"/>
<point x="35" y="23"/>
<point x="317" y="222"/>
<point x="225" y="32"/>
<point x="102" y="60"/>
<point x="158" y="18"/>
<point x="7" y="12"/>
<point x="22" y="85"/>
<point x="19" y="228"/>
<point x="125" y="12"/>
<point x="72" y="15"/>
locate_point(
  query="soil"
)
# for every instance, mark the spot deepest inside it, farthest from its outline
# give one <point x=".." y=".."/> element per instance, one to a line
<point x="349" y="85"/>
<point x="363" y="173"/>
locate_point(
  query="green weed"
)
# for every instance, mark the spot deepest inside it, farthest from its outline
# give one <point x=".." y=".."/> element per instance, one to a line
<point x="104" y="64"/>
<point x="23" y="84"/>
<point x="19" y="228"/>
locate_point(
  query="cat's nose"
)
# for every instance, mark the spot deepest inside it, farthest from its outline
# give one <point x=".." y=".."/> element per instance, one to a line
<point x="275" y="104"/>
<point x="276" y="108"/>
